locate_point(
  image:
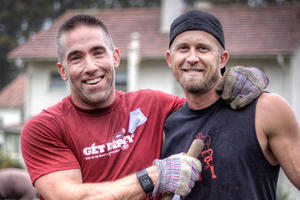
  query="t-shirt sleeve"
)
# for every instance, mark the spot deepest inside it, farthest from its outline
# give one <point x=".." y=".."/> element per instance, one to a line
<point x="168" y="102"/>
<point x="43" y="148"/>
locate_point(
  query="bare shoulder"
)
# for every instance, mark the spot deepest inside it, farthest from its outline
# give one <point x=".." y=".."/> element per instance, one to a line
<point x="269" y="100"/>
<point x="278" y="133"/>
<point x="273" y="113"/>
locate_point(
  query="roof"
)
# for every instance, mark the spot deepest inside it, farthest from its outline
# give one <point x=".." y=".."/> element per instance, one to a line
<point x="13" y="94"/>
<point x="268" y="30"/>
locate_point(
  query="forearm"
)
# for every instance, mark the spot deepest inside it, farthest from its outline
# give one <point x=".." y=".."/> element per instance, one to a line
<point x="68" y="184"/>
<point x="73" y="188"/>
<point x="126" y="188"/>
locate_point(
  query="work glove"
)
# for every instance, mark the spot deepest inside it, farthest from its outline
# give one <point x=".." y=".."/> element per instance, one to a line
<point x="240" y="85"/>
<point x="177" y="174"/>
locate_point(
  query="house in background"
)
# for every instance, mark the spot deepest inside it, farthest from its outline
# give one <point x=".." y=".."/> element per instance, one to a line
<point x="11" y="116"/>
<point x="266" y="36"/>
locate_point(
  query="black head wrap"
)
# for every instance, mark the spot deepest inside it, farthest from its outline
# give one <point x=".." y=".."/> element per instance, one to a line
<point x="197" y="20"/>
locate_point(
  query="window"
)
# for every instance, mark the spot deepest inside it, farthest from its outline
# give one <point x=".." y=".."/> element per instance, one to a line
<point x="121" y="81"/>
<point x="12" y="143"/>
<point x="56" y="82"/>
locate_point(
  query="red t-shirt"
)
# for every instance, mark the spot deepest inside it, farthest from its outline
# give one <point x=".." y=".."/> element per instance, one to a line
<point x="105" y="144"/>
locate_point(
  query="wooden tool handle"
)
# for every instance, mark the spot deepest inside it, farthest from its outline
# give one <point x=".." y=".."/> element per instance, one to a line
<point x="195" y="148"/>
<point x="194" y="151"/>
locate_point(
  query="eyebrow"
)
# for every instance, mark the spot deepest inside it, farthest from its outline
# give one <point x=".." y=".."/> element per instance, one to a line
<point x="176" y="45"/>
<point x="99" y="47"/>
<point x="72" y="53"/>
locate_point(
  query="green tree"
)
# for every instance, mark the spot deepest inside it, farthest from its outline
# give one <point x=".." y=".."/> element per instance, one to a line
<point x="249" y="2"/>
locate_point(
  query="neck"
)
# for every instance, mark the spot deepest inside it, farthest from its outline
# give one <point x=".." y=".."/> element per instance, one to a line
<point x="94" y="105"/>
<point x="198" y="101"/>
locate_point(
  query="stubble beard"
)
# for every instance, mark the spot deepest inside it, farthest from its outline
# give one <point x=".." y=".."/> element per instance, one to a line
<point x="94" y="98"/>
<point x="199" y="85"/>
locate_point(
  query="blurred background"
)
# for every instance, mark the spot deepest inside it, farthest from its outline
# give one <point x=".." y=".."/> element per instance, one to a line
<point x="262" y="33"/>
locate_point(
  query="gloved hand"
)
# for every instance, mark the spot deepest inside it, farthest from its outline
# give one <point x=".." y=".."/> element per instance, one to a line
<point x="240" y="85"/>
<point x="177" y="174"/>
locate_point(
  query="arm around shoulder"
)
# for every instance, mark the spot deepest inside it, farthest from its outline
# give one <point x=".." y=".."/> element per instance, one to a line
<point x="277" y="122"/>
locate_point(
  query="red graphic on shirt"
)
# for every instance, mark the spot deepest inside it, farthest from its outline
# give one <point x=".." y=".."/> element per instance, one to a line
<point x="207" y="155"/>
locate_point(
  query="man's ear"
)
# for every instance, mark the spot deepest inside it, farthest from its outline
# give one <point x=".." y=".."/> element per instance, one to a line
<point x="224" y="59"/>
<point x="62" y="72"/>
<point x="116" y="55"/>
<point x="168" y="58"/>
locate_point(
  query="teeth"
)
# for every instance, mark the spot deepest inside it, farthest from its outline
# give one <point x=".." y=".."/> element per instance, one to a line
<point x="193" y="70"/>
<point x="93" y="81"/>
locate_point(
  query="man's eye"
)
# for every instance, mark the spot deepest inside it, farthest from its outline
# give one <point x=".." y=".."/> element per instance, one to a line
<point x="75" y="58"/>
<point x="183" y="47"/>
<point x="203" y="48"/>
<point x="98" y="53"/>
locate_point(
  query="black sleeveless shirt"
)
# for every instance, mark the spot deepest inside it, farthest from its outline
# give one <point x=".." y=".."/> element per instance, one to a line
<point x="233" y="164"/>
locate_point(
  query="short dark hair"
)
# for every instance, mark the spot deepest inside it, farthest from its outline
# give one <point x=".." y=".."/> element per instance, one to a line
<point x="73" y="23"/>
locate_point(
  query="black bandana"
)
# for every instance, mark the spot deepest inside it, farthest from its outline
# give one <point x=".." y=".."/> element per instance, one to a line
<point x="197" y="20"/>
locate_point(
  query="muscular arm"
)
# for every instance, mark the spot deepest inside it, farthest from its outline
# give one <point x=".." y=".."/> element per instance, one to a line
<point x="67" y="185"/>
<point x="279" y="135"/>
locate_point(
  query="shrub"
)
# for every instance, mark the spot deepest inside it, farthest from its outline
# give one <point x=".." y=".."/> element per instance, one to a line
<point x="7" y="162"/>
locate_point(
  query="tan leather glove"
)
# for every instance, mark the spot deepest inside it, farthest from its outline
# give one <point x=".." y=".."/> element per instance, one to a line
<point x="240" y="85"/>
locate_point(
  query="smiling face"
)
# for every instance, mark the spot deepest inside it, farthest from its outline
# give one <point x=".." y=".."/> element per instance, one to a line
<point x="89" y="65"/>
<point x="196" y="58"/>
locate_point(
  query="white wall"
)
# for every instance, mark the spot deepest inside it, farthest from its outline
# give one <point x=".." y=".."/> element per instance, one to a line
<point x="10" y="116"/>
<point x="170" y="9"/>
<point x="38" y="93"/>
<point x="156" y="75"/>
<point x="292" y="86"/>
<point x="295" y="83"/>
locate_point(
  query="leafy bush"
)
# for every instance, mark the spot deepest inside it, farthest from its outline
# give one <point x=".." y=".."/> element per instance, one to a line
<point x="282" y="195"/>
<point x="7" y="162"/>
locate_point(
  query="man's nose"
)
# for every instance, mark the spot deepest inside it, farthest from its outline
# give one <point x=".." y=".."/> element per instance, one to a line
<point x="193" y="57"/>
<point x="90" y="65"/>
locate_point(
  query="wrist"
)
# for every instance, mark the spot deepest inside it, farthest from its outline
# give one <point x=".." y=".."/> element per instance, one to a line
<point x="153" y="173"/>
<point x="145" y="181"/>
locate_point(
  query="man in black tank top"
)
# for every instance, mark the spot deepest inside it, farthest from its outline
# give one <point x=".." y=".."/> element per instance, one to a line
<point x="243" y="149"/>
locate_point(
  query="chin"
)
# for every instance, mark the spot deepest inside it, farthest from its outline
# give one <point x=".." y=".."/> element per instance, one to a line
<point x="99" y="99"/>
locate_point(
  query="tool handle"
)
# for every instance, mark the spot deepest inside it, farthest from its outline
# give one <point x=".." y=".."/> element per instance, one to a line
<point x="194" y="151"/>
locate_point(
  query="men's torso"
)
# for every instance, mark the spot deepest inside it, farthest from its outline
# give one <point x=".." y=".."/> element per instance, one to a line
<point x="234" y="166"/>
